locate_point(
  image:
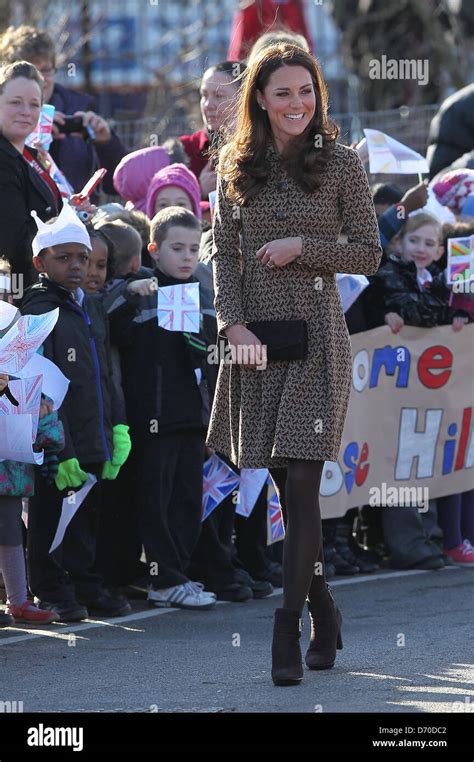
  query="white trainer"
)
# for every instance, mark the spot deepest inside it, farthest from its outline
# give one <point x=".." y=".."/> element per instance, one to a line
<point x="189" y="595"/>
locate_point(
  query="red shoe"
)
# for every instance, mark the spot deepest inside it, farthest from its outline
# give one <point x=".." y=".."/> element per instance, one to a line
<point x="461" y="555"/>
<point x="28" y="613"/>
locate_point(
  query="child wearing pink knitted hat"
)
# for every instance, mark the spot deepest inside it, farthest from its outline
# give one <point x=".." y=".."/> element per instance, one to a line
<point x="134" y="172"/>
<point x="175" y="185"/>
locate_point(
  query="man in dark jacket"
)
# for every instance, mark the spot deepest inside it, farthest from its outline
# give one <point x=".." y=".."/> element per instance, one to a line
<point x="77" y="157"/>
<point x="451" y="138"/>
<point x="78" y="345"/>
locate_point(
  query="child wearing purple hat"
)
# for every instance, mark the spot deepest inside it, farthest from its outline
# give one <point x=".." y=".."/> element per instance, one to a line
<point x="175" y="185"/>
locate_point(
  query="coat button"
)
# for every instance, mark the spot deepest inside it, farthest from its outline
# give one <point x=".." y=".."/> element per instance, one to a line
<point x="283" y="186"/>
<point x="280" y="214"/>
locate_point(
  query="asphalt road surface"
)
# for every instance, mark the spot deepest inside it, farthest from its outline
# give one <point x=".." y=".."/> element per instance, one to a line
<point x="407" y="647"/>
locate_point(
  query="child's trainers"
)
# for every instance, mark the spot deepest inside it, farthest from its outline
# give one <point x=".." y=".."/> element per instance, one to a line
<point x="28" y="613"/>
<point x="189" y="595"/>
<point x="461" y="555"/>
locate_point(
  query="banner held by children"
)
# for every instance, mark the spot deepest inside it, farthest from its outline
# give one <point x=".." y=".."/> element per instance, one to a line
<point x="409" y="424"/>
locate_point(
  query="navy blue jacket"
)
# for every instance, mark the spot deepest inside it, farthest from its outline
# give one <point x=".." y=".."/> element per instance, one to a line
<point x="158" y="366"/>
<point x="79" y="346"/>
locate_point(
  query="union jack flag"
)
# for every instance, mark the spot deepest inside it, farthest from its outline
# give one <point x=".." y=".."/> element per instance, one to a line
<point x="178" y="307"/>
<point x="275" y="528"/>
<point x="22" y="340"/>
<point x="219" y="481"/>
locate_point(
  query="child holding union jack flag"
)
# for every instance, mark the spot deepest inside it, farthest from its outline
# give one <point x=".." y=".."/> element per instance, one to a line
<point x="164" y="371"/>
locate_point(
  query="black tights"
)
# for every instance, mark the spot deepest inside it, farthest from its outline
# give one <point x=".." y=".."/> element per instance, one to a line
<point x="297" y="487"/>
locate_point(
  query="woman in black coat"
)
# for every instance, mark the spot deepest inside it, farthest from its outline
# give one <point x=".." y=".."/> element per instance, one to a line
<point x="24" y="183"/>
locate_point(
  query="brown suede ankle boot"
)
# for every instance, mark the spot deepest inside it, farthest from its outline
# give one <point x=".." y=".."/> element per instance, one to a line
<point x="287" y="662"/>
<point x="325" y="638"/>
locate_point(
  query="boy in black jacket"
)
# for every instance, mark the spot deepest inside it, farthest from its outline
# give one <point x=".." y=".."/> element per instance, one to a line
<point x="63" y="581"/>
<point x="163" y="375"/>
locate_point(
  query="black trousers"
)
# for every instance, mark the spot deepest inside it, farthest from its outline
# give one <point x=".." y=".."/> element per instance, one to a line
<point x="66" y="573"/>
<point x="251" y="536"/>
<point x="212" y="560"/>
<point x="119" y="546"/>
<point x="170" y="502"/>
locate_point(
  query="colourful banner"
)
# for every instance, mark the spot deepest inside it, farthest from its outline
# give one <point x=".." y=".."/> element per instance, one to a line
<point x="409" y="428"/>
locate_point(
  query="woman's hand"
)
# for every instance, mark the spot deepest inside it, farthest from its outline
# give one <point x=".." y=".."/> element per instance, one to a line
<point x="207" y="180"/>
<point x="3" y="382"/>
<point x="395" y="322"/>
<point x="459" y="322"/>
<point x="281" y="252"/>
<point x="246" y="348"/>
<point x="99" y="125"/>
<point x="59" y="119"/>
<point x="82" y="205"/>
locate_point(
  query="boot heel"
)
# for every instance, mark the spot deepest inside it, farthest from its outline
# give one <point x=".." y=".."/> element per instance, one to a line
<point x="326" y="636"/>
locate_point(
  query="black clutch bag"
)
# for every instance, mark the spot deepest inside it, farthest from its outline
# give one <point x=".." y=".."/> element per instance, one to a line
<point x="284" y="339"/>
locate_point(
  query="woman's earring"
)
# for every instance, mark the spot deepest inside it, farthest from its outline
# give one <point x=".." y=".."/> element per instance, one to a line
<point x="263" y="107"/>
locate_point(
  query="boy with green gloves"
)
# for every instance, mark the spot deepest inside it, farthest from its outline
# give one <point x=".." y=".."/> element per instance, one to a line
<point x="96" y="440"/>
<point x="70" y="474"/>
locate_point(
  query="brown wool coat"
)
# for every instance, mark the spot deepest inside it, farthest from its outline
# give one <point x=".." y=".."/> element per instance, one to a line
<point x="260" y="418"/>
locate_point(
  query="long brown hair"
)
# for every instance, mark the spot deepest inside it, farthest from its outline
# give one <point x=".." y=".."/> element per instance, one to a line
<point x="242" y="162"/>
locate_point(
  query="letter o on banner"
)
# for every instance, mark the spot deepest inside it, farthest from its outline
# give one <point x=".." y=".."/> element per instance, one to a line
<point x="361" y="360"/>
<point x="332" y="479"/>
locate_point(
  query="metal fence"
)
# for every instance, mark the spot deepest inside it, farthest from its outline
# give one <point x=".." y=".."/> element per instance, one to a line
<point x="408" y="125"/>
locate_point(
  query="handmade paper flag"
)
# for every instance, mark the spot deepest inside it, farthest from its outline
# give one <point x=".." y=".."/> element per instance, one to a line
<point x="387" y="155"/>
<point x="27" y="392"/>
<point x="7" y="314"/>
<point x="251" y="483"/>
<point x="350" y="288"/>
<point x="69" y="508"/>
<point x="460" y="259"/>
<point x="219" y="481"/>
<point x="15" y="439"/>
<point x="178" y="307"/>
<point x="60" y="179"/>
<point x="43" y="131"/>
<point x="55" y="383"/>
<point x="22" y="340"/>
<point x="275" y="527"/>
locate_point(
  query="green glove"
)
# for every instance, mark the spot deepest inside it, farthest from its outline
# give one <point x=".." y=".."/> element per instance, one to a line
<point x="70" y="474"/>
<point x="122" y="447"/>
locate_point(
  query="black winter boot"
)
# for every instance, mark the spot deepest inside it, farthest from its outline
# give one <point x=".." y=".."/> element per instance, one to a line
<point x="326" y="621"/>
<point x="287" y="663"/>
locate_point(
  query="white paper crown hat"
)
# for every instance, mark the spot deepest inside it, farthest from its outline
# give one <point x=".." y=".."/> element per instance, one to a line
<point x="67" y="228"/>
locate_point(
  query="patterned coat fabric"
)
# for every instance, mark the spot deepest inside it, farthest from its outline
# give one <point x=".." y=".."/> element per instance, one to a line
<point x="261" y="418"/>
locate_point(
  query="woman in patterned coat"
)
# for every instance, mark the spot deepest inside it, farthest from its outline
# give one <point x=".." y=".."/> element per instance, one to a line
<point x="285" y="190"/>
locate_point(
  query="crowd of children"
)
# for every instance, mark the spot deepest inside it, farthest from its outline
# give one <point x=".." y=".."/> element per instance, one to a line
<point x="134" y="419"/>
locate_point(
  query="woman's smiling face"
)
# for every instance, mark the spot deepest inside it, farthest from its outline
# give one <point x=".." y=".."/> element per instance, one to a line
<point x="20" y="106"/>
<point x="290" y="102"/>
